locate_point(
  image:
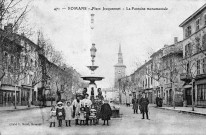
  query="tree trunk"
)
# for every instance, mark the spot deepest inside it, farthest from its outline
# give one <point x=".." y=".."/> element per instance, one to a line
<point x="30" y="97"/>
<point x="173" y="95"/>
<point x="15" y="97"/>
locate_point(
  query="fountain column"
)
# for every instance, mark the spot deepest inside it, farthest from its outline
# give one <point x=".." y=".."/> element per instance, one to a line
<point x="92" y="89"/>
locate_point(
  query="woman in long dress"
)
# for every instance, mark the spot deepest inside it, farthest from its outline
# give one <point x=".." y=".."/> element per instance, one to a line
<point x="106" y="112"/>
<point x="76" y="107"/>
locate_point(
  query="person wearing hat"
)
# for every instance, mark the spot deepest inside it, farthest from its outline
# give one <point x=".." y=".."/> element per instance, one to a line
<point x="60" y="113"/>
<point x="135" y="104"/>
<point x="144" y="101"/>
<point x="87" y="101"/>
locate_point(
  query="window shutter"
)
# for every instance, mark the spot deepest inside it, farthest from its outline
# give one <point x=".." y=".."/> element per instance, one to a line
<point x="204" y="42"/>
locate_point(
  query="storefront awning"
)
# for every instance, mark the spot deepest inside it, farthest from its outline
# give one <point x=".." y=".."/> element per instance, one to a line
<point x="187" y="86"/>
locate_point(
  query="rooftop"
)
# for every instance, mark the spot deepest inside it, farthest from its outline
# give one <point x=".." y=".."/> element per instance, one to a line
<point x="193" y="15"/>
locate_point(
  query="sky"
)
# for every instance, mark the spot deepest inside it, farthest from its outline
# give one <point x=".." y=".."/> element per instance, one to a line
<point x="139" y="32"/>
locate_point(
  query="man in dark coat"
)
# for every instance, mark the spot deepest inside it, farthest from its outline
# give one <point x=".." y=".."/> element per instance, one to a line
<point x="135" y="104"/>
<point x="144" y="101"/>
<point x="106" y="112"/>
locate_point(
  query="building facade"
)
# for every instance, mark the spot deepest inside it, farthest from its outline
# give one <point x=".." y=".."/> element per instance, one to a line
<point x="172" y="67"/>
<point x="194" y="45"/>
<point x="27" y="76"/>
<point x="10" y="54"/>
<point x="158" y="83"/>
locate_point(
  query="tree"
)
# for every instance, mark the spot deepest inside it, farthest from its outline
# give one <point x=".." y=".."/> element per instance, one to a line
<point x="191" y="68"/>
<point x="167" y="68"/>
<point x="13" y="13"/>
<point x="194" y="52"/>
<point x="50" y="53"/>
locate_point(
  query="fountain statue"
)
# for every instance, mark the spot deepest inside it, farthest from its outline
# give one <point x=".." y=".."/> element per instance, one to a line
<point x="92" y="90"/>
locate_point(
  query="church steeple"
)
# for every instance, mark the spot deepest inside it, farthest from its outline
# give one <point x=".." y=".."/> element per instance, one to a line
<point x="120" y="50"/>
<point x="120" y="58"/>
<point x="119" y="69"/>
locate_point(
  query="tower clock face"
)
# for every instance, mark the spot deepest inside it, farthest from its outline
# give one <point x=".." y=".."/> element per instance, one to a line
<point x="119" y="71"/>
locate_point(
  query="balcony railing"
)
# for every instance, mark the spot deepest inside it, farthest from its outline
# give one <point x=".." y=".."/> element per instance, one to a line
<point x="200" y="76"/>
<point x="185" y="77"/>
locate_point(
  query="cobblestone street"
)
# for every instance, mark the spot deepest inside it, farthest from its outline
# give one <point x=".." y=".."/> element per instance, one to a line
<point x="161" y="122"/>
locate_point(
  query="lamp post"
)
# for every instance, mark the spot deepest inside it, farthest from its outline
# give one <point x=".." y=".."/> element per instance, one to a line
<point x="93" y="53"/>
<point x="92" y="21"/>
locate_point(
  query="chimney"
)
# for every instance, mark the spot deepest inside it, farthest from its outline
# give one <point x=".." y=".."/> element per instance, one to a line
<point x="175" y="40"/>
<point x="9" y="28"/>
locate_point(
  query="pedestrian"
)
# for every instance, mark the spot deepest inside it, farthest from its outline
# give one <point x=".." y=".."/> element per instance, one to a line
<point x="52" y="116"/>
<point x="76" y="108"/>
<point x="82" y="115"/>
<point x="144" y="101"/>
<point x="160" y="102"/>
<point x="87" y="110"/>
<point x="135" y="104"/>
<point x="157" y="101"/>
<point x="60" y="113"/>
<point x="106" y="112"/>
<point x="68" y="113"/>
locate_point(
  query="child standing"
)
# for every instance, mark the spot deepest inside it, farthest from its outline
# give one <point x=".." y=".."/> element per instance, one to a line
<point x="82" y="115"/>
<point x="93" y="116"/>
<point x="68" y="113"/>
<point x="60" y="113"/>
<point x="87" y="110"/>
<point x="52" y="116"/>
<point x="106" y="112"/>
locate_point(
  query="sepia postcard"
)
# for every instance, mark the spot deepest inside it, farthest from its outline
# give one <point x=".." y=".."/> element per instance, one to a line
<point x="109" y="67"/>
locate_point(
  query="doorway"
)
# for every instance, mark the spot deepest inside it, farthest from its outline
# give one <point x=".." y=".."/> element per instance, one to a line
<point x="188" y="96"/>
<point x="170" y="97"/>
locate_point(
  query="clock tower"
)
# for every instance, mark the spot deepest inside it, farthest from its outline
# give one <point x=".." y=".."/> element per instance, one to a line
<point x="119" y="69"/>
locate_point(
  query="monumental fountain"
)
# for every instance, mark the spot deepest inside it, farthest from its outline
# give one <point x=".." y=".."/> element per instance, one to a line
<point x="92" y="90"/>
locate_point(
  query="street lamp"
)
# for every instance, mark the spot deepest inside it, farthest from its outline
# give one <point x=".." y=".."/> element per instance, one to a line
<point x="92" y="21"/>
<point x="93" y="53"/>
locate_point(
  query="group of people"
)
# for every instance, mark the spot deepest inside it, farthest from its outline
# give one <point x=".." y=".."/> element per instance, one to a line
<point x="141" y="104"/>
<point x="83" y="111"/>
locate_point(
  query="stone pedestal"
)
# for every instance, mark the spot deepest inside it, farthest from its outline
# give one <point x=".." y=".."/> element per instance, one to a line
<point x="92" y="87"/>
